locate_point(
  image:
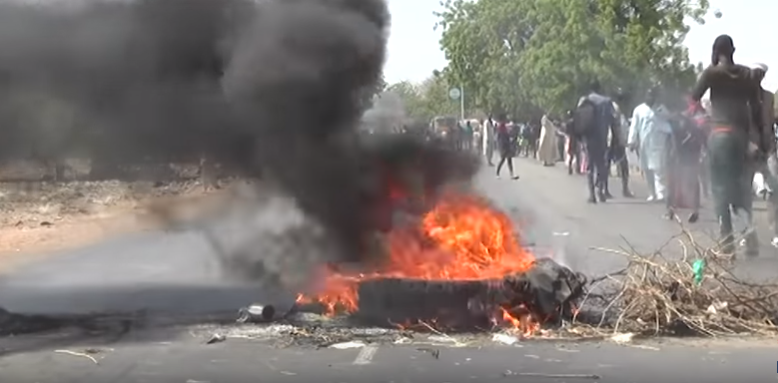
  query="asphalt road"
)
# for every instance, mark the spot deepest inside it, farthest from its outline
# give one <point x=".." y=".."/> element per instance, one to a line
<point x="248" y="361"/>
<point x="175" y="272"/>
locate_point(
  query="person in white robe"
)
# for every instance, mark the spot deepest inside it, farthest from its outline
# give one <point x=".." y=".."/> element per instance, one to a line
<point x="649" y="133"/>
<point x="488" y="138"/>
<point x="547" y="148"/>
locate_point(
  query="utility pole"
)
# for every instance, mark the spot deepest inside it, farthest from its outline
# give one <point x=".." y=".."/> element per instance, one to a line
<point x="462" y="102"/>
<point x="456" y="94"/>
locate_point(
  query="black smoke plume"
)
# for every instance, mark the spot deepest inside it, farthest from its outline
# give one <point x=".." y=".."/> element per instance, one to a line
<point x="271" y="89"/>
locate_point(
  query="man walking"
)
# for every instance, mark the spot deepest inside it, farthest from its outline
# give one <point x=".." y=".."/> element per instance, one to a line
<point x="593" y="120"/>
<point x="561" y="140"/>
<point x="736" y="139"/>
<point x="467" y="136"/>
<point x="617" y="153"/>
<point x="572" y="146"/>
<point x="649" y="134"/>
<point x="506" y="144"/>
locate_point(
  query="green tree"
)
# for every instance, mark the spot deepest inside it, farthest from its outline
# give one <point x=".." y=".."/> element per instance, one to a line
<point x="521" y="55"/>
<point x="428" y="99"/>
<point x="484" y="41"/>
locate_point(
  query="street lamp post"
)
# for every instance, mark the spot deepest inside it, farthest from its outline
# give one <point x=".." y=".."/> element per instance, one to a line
<point x="462" y="103"/>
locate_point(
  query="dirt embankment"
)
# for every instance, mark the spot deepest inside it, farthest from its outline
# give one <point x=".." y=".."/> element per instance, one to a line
<point x="38" y="218"/>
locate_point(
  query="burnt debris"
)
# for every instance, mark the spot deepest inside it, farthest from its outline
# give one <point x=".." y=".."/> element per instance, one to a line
<point x="547" y="293"/>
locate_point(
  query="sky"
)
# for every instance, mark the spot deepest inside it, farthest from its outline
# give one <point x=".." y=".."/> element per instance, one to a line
<point x="414" y="49"/>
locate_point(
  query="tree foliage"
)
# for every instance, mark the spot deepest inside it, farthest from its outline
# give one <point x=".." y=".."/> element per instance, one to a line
<point x="522" y="56"/>
<point x="428" y="99"/>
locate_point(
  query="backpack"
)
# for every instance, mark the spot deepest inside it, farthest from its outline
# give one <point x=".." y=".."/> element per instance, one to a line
<point x="584" y="117"/>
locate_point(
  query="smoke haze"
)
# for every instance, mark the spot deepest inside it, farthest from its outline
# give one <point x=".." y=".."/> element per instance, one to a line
<point x="273" y="89"/>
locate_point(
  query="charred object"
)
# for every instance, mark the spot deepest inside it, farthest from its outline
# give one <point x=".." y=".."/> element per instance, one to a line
<point x="548" y="293"/>
<point x="256" y="314"/>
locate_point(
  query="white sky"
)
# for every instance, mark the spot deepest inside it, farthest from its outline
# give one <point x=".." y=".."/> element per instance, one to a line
<point x="414" y="50"/>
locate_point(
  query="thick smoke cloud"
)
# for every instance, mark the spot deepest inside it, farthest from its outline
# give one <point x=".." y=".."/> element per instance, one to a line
<point x="273" y="89"/>
<point x="135" y="77"/>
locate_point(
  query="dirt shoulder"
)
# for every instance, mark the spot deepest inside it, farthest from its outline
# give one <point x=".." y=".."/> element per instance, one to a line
<point x="37" y="219"/>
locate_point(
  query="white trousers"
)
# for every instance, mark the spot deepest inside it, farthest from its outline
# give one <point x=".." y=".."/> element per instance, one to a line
<point x="657" y="183"/>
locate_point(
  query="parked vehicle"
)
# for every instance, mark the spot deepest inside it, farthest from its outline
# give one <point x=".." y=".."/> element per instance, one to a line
<point x="444" y="128"/>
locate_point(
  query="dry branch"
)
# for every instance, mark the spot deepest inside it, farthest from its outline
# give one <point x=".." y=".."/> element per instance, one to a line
<point x="655" y="295"/>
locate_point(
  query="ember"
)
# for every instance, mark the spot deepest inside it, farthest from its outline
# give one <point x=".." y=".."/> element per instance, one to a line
<point x="462" y="265"/>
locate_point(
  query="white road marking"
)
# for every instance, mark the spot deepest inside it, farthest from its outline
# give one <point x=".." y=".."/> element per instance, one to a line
<point x="366" y="355"/>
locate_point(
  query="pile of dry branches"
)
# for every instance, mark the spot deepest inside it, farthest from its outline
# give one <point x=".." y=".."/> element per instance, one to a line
<point x="656" y="295"/>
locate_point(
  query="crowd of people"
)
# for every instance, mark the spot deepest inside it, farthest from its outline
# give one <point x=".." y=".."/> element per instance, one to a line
<point x="701" y="148"/>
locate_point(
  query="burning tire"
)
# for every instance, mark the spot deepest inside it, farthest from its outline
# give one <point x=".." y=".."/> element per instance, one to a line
<point x="545" y="292"/>
<point x="404" y="301"/>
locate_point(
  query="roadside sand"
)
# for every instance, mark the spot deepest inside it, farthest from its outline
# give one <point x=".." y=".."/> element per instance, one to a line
<point x="38" y="218"/>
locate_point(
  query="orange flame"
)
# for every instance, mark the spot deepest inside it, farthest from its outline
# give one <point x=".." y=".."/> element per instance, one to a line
<point x="466" y="239"/>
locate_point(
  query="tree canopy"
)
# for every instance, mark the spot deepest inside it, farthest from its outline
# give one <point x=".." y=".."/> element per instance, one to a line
<point x="522" y="57"/>
<point x="428" y="99"/>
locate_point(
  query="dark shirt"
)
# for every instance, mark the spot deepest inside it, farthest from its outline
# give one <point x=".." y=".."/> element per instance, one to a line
<point x="605" y="117"/>
<point x="735" y="97"/>
<point x="513" y="133"/>
<point x="605" y="121"/>
<point x="502" y="132"/>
